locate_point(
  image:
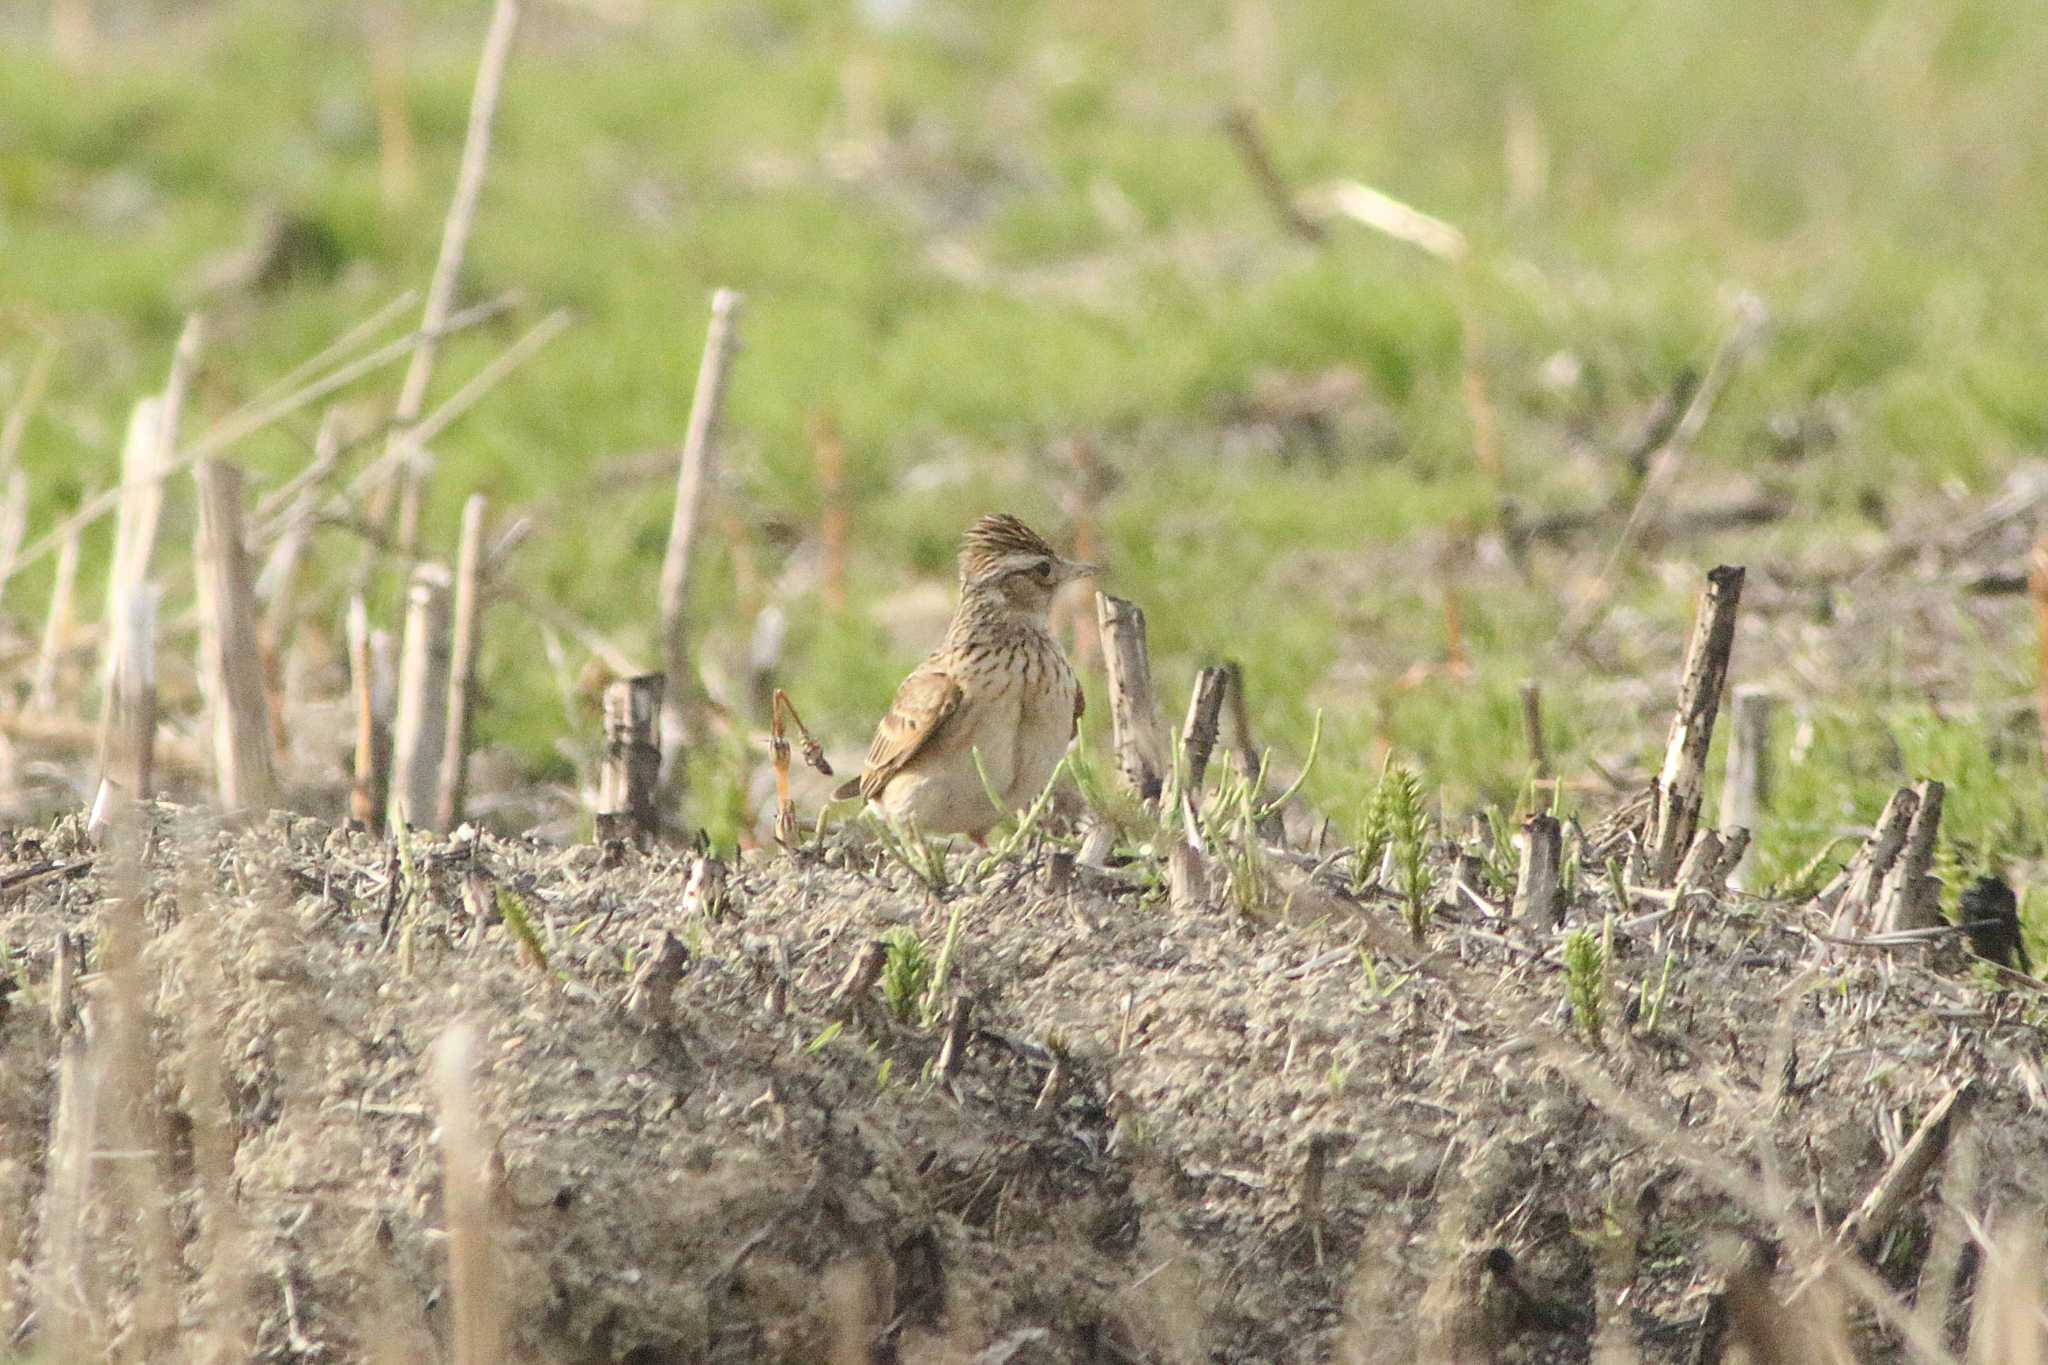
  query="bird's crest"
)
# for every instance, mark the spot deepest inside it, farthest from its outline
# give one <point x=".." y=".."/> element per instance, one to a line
<point x="996" y="538"/>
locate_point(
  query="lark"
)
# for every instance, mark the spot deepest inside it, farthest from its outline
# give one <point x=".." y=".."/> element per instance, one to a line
<point x="999" y="688"/>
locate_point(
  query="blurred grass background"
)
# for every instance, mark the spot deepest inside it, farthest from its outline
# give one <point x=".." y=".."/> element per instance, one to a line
<point x="973" y="234"/>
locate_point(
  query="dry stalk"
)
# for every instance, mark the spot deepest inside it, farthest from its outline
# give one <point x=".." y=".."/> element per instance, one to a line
<point x="478" y="1298"/>
<point x="244" y="422"/>
<point x="1197" y="742"/>
<point x="13" y="521"/>
<point x="694" y="472"/>
<point x="1681" y="783"/>
<point x="1854" y="890"/>
<point x="288" y="534"/>
<point x="15" y="425"/>
<point x="1537" y="902"/>
<point x="230" y="645"/>
<point x="627" y="795"/>
<point x="455" y="229"/>
<point x="1532" y="728"/>
<point x="1242" y="123"/>
<point x="133" y="1123"/>
<point x="1133" y="707"/>
<point x="58" y="625"/>
<point x="369" y="667"/>
<point x="651" y="994"/>
<point x="782" y="713"/>
<point x="127" y="748"/>
<point x="861" y="975"/>
<point x="1909" y="897"/>
<point x="417" y="731"/>
<point x="67" y="1265"/>
<point x="147" y="455"/>
<point x="1864" y="1230"/>
<point x="1746" y="781"/>
<point x="468" y="629"/>
<point x="953" y="1051"/>
<point x="1704" y="859"/>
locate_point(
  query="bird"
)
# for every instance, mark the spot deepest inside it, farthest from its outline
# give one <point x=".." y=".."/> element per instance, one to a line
<point x="998" y="687"/>
<point x="1989" y="914"/>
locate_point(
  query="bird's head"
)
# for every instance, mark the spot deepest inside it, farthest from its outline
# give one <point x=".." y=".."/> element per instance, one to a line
<point x="1001" y="557"/>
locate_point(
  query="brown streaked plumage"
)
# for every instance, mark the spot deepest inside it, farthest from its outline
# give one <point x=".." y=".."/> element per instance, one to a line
<point x="998" y="687"/>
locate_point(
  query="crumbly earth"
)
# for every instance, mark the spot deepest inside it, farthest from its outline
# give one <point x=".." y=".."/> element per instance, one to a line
<point x="747" y="1177"/>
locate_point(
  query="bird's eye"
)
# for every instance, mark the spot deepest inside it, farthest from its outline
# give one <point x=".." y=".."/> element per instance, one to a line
<point x="1043" y="569"/>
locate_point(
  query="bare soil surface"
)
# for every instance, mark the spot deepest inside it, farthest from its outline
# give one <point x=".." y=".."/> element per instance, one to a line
<point x="1297" y="1138"/>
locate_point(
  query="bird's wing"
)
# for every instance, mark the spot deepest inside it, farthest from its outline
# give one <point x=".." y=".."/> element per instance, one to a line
<point x="923" y="705"/>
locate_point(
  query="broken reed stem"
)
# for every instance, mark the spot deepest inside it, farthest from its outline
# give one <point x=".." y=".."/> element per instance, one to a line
<point x="1681" y="783"/>
<point x="1854" y="889"/>
<point x="1910" y="897"/>
<point x="628" y="785"/>
<point x="861" y="975"/>
<point x="133" y="1120"/>
<point x="66" y="1264"/>
<point x="462" y="665"/>
<point x="1242" y="123"/>
<point x="291" y="530"/>
<point x="650" y="995"/>
<point x="1133" y="707"/>
<point x="455" y="229"/>
<point x="2037" y="591"/>
<point x="127" y="747"/>
<point x="1536" y="901"/>
<point x="953" y="1051"/>
<point x="473" y="1289"/>
<point x="421" y="723"/>
<point x="1532" y="728"/>
<point x="1697" y="871"/>
<point x="147" y="454"/>
<point x="1746" y="781"/>
<point x="230" y="645"/>
<point x="829" y="450"/>
<point x="1197" y="742"/>
<point x="368" y="674"/>
<point x="1864" y="1230"/>
<point x="694" y="472"/>
<point x="57" y="628"/>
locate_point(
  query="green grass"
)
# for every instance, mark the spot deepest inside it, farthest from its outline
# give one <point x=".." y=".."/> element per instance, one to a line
<point x="1868" y="173"/>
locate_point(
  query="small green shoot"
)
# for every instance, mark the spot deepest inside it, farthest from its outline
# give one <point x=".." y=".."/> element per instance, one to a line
<point x="512" y="909"/>
<point x="923" y="856"/>
<point x="1408" y="825"/>
<point x="1375" y="833"/>
<point x="933" y="1004"/>
<point x="1585" y="980"/>
<point x="906" y="973"/>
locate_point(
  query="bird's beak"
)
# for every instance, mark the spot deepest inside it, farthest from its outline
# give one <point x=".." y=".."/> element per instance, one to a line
<point x="1077" y="569"/>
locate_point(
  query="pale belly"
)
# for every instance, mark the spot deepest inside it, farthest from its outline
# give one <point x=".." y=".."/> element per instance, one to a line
<point x="1019" y="739"/>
